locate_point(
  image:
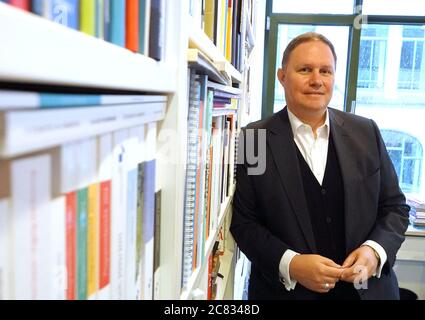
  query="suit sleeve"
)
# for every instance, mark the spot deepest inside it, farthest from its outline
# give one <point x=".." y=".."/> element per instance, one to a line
<point x="254" y="239"/>
<point x="393" y="213"/>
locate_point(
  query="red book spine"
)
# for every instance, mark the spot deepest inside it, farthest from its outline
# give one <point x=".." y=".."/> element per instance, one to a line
<point x="23" y="4"/>
<point x="71" y="245"/>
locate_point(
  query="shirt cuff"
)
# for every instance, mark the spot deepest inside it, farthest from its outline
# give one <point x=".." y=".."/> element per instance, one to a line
<point x="284" y="270"/>
<point x="381" y="253"/>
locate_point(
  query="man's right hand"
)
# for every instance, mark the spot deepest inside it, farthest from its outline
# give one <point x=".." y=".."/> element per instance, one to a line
<point x="315" y="272"/>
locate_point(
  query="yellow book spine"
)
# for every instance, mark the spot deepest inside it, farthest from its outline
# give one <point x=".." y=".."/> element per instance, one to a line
<point x="229" y="32"/>
<point x="209" y="19"/>
<point x="92" y="239"/>
<point x="88" y="17"/>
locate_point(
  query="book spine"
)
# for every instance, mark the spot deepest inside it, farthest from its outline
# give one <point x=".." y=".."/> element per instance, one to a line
<point x="157" y="29"/>
<point x="117" y="24"/>
<point x="88" y="17"/>
<point x="132" y="25"/>
<point x="81" y="293"/>
<point x="71" y="244"/>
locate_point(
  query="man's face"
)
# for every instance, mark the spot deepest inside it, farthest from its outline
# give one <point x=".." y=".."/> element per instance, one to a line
<point x="308" y="78"/>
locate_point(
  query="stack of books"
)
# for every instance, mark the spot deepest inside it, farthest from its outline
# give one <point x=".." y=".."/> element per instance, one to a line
<point x="417" y="210"/>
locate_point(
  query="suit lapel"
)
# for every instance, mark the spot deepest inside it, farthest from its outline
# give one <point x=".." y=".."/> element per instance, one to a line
<point x="281" y="142"/>
<point x="346" y="158"/>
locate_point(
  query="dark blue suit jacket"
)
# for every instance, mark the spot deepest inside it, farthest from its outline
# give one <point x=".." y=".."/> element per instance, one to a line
<point x="270" y="213"/>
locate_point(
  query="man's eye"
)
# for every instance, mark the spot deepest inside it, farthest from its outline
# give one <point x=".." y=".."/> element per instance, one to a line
<point x="327" y="72"/>
<point x="305" y="69"/>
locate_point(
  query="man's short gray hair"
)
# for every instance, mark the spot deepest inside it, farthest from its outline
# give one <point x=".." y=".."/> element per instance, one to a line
<point x="303" y="38"/>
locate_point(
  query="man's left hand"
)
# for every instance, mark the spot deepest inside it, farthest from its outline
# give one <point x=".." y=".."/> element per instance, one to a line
<point x="362" y="262"/>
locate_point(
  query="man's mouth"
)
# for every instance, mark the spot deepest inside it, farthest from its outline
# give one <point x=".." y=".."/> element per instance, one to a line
<point x="315" y="93"/>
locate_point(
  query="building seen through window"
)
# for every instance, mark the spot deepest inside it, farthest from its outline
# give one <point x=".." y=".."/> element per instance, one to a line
<point x="391" y="90"/>
<point x="406" y="153"/>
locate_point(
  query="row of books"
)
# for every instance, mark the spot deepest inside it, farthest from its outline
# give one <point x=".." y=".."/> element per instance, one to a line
<point x="417" y="210"/>
<point x="81" y="221"/>
<point x="137" y="25"/>
<point x="222" y="21"/>
<point x="209" y="170"/>
<point x="34" y="121"/>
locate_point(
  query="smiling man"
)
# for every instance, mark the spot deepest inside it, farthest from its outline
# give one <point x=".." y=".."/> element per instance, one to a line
<point x="327" y="217"/>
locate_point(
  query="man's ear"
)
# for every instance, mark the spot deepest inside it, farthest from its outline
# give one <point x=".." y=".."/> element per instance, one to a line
<point x="281" y="75"/>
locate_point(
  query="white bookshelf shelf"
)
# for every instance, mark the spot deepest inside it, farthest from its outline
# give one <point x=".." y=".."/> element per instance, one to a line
<point x="223" y="112"/>
<point x="36" y="50"/>
<point x="196" y="275"/>
<point x="199" y="40"/>
<point x="415" y="231"/>
<point x="227" y="89"/>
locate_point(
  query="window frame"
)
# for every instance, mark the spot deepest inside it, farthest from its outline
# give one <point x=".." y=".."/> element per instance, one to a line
<point x="271" y="31"/>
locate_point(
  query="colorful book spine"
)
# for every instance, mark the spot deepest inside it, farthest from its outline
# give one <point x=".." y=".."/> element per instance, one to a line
<point x="65" y="12"/>
<point x="88" y="17"/>
<point x="100" y="19"/>
<point x="132" y="25"/>
<point x="82" y="207"/>
<point x="105" y="235"/>
<point x="144" y="22"/>
<point x="107" y="20"/>
<point x="93" y="240"/>
<point x="22" y="4"/>
<point x="117" y="22"/>
<point x="71" y="244"/>
<point x="157" y="29"/>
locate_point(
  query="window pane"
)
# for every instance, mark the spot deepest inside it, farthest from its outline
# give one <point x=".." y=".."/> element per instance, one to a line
<point x="338" y="36"/>
<point x="313" y="6"/>
<point x="391" y="90"/>
<point x="394" y="7"/>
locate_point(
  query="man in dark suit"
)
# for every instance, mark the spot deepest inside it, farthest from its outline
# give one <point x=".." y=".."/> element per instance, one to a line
<point x="326" y="217"/>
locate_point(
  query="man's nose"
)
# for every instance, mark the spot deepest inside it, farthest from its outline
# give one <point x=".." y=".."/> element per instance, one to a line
<point x="316" y="79"/>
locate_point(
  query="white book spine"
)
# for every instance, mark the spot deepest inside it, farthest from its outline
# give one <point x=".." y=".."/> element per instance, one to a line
<point x="58" y="252"/>
<point x="105" y="159"/>
<point x="118" y="201"/>
<point x="148" y="247"/>
<point x="5" y="293"/>
<point x="131" y="222"/>
<point x="31" y="193"/>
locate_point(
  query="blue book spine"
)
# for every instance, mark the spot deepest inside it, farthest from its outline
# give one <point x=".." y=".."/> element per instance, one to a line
<point x="117" y="24"/>
<point x="143" y="33"/>
<point x="37" y="7"/>
<point x="107" y="20"/>
<point x="50" y="100"/>
<point x="66" y="12"/>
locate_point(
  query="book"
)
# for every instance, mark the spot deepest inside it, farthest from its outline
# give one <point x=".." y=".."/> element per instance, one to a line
<point x="132" y="25"/>
<point x="24" y="131"/>
<point x="10" y="99"/>
<point x="157" y="30"/>
<point x="117" y="22"/>
<point x="30" y="207"/>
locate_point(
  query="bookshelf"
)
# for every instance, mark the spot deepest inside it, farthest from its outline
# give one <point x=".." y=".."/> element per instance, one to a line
<point x="43" y="54"/>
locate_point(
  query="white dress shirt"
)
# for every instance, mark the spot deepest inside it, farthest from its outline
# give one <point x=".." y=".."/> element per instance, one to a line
<point x="315" y="152"/>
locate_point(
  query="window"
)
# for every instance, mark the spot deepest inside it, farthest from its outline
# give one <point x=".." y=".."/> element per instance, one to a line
<point x="394" y="7"/>
<point x="373" y="47"/>
<point x="394" y="95"/>
<point x="412" y="52"/>
<point x="313" y="6"/>
<point x="406" y="153"/>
